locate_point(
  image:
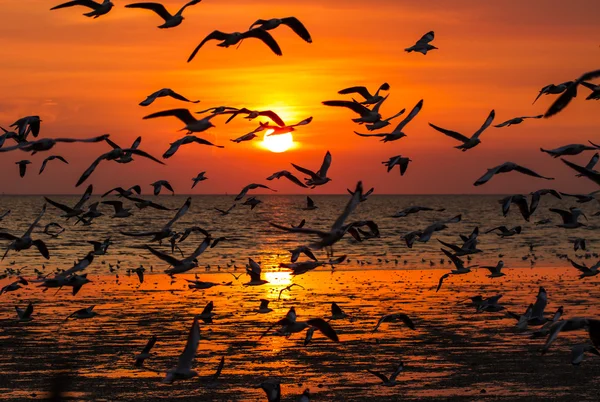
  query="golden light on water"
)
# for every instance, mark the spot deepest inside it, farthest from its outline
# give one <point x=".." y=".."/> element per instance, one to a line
<point x="278" y="143"/>
<point x="279" y="278"/>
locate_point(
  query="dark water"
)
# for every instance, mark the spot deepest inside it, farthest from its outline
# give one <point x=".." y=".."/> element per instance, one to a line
<point x="251" y="236"/>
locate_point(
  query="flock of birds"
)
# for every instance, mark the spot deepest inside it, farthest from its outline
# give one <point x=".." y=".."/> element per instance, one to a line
<point x="367" y="111"/>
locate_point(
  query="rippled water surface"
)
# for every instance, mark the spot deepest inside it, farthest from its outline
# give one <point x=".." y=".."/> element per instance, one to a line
<point x="453" y="354"/>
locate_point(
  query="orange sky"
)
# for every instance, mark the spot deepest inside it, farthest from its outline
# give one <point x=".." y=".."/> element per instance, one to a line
<point x="86" y="77"/>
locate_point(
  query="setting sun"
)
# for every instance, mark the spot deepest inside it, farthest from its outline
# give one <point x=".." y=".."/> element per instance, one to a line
<point x="278" y="143"/>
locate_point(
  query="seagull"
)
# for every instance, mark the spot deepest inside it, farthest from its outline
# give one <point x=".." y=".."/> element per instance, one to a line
<point x="571" y="149"/>
<point x="120" y="212"/>
<point x="288" y="288"/>
<point x="302" y="250"/>
<point x="249" y="187"/>
<point x="572" y="324"/>
<point x="413" y="210"/>
<point x="467" y="143"/>
<point x="388" y="382"/>
<point x="25" y="315"/>
<point x="570" y="92"/>
<point x="13" y="286"/>
<point x="264" y="307"/>
<point x="207" y="314"/>
<point x="317" y="178"/>
<point x="200" y="177"/>
<point x="127" y="157"/>
<point x="591" y="164"/>
<point x="183" y="370"/>
<point x="192" y="125"/>
<point x="289" y="325"/>
<point x="495" y="271"/>
<point x="273" y="390"/>
<point x="364" y="197"/>
<point x="578" y="351"/>
<point x="77" y="208"/>
<point x="125" y="193"/>
<point x="184" y="265"/>
<point x="23" y="167"/>
<point x="583" y="198"/>
<point x="338" y="229"/>
<point x="517" y="120"/>
<point x="188" y="139"/>
<point x="26" y="125"/>
<point x="225" y="212"/>
<point x="398" y="160"/>
<point x="537" y="312"/>
<point x="569" y="217"/>
<point x="521" y="202"/>
<point x="585" y="270"/>
<point x="252" y="202"/>
<point x="366" y="115"/>
<point x="397" y="133"/>
<point x="384" y="122"/>
<point x="171" y="21"/>
<point x="51" y="158"/>
<point x="285" y="129"/>
<point x="253" y="270"/>
<point x="364" y="92"/>
<point x="287" y="175"/>
<point x="395" y="317"/>
<point x="336" y="312"/>
<point x="25" y="242"/>
<point x="507" y="167"/>
<point x="54" y="235"/>
<point x="595" y="95"/>
<point x="98" y="8"/>
<point x="505" y="232"/>
<point x="165" y="91"/>
<point x="166" y="231"/>
<point x="230" y="39"/>
<point x="422" y="45"/>
<point x="111" y="156"/>
<point x="100" y="248"/>
<point x="83" y="313"/>
<point x="490" y="304"/>
<point x="536" y="195"/>
<point x="139" y="359"/>
<point x="248" y="137"/>
<point x="553" y="89"/>
<point x="310" y="204"/>
<point x="292" y="22"/>
<point x="584" y="171"/>
<point x="158" y="185"/>
<point x="77" y="282"/>
<point x="46" y="144"/>
<point x="253" y="114"/>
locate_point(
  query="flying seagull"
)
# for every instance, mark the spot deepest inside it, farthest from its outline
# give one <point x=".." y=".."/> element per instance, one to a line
<point x="571" y="91"/>
<point x="292" y="22"/>
<point x="253" y="114"/>
<point x="423" y="45"/>
<point x="230" y="39"/>
<point x="397" y="133"/>
<point x="249" y="187"/>
<point x="364" y="92"/>
<point x="171" y="21"/>
<point x="517" y="120"/>
<point x="507" y="167"/>
<point x="366" y="115"/>
<point x="287" y="175"/>
<point x="317" y="178"/>
<point x="399" y="161"/>
<point x="164" y="92"/>
<point x="98" y="8"/>
<point x="188" y="139"/>
<point x="192" y="125"/>
<point x="26" y="242"/>
<point x="467" y="143"/>
<point x="51" y="158"/>
<point x="183" y="370"/>
<point x="552" y="89"/>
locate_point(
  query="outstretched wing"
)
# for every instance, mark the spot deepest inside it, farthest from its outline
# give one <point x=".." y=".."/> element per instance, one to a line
<point x="182" y="114"/>
<point x="214" y="35"/>
<point x="449" y="133"/>
<point x="184" y="208"/>
<point x="297" y="27"/>
<point x="189" y="352"/>
<point x="86" y="3"/>
<point x="324" y="327"/>
<point x="485" y="125"/>
<point x="265" y="37"/>
<point x="350" y="206"/>
<point x="415" y="111"/>
<point x="156" y="7"/>
<point x="530" y="172"/>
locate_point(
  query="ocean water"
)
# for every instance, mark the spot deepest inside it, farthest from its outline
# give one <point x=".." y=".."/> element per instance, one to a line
<point x="249" y="234"/>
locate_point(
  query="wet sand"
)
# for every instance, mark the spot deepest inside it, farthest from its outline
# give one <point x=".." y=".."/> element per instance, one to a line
<point x="454" y="354"/>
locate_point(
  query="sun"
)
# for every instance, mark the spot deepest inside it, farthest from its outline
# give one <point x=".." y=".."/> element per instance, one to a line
<point x="278" y="143"/>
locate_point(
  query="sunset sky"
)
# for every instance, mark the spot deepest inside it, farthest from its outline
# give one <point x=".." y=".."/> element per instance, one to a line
<point x="85" y="77"/>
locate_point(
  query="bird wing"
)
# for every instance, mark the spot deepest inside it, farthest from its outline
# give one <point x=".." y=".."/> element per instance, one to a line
<point x="486" y="177"/>
<point x="86" y="196"/>
<point x="415" y="111"/>
<point x="58" y="205"/>
<point x="165" y="257"/>
<point x="554" y="332"/>
<point x="442" y="281"/>
<point x="485" y="125"/>
<point x="214" y="35"/>
<point x="363" y="91"/>
<point x="149" y="345"/>
<point x="425" y="39"/>
<point x="306" y="171"/>
<point x="184" y="208"/>
<point x="371" y="135"/>
<point x="145" y="155"/>
<point x="219" y="369"/>
<point x="294" y="179"/>
<point x="354" y="106"/>
<point x="325" y="165"/>
<point x="156" y="7"/>
<point x="350" y="206"/>
<point x="41" y="246"/>
<point x="579" y="267"/>
<point x="265" y="37"/>
<point x="86" y="3"/>
<point x="90" y="169"/>
<point x="379" y="375"/>
<point x="324" y="327"/>
<point x="540" y="305"/>
<point x="200" y="249"/>
<point x="271" y="115"/>
<point x="208" y="308"/>
<point x="182" y="114"/>
<point x="299" y="230"/>
<point x="189" y="352"/>
<point x="529" y="172"/>
<point x="590" y="174"/>
<point x="593" y="161"/>
<point x="309" y="202"/>
<point x="296" y="26"/>
<point x="449" y="133"/>
<point x="35" y="222"/>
